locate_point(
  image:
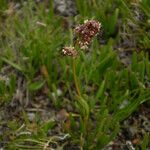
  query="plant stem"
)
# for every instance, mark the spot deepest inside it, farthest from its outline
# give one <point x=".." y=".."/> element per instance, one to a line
<point x="75" y="77"/>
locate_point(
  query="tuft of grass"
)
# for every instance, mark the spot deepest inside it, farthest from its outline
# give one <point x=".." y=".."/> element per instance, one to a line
<point x="30" y="45"/>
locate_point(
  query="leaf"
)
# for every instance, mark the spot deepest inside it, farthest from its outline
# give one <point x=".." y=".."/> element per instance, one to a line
<point x="145" y="5"/>
<point x="83" y="106"/>
<point x="113" y="21"/>
<point x="102" y="140"/>
<point x="134" y="65"/>
<point x="48" y="125"/>
<point x="145" y="141"/>
<point x="72" y="122"/>
<point x="36" y="85"/>
<point x="19" y="68"/>
<point x="101" y="90"/>
<point x="134" y="103"/>
<point x="106" y="62"/>
<point x="134" y="83"/>
<point x="147" y="63"/>
<point x="142" y="69"/>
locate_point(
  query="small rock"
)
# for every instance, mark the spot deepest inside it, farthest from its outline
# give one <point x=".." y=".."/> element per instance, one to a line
<point x="65" y="7"/>
<point x="129" y="145"/>
<point x="124" y="104"/>
<point x="62" y="115"/>
<point x="31" y="116"/>
<point x="58" y="93"/>
<point x="133" y="130"/>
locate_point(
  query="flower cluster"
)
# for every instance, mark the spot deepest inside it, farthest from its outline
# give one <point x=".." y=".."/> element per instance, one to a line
<point x="84" y="35"/>
<point x="86" y="32"/>
<point x="69" y="51"/>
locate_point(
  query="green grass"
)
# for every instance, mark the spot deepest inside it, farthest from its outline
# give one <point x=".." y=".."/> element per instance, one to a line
<point x="33" y="52"/>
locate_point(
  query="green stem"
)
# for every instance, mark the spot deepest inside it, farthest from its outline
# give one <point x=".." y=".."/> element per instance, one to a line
<point x="75" y="77"/>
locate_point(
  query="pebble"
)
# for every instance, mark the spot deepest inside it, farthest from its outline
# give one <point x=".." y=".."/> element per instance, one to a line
<point x="31" y="116"/>
<point x="65" y="7"/>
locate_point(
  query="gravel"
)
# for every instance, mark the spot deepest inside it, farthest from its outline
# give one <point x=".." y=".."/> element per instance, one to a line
<point x="65" y="7"/>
